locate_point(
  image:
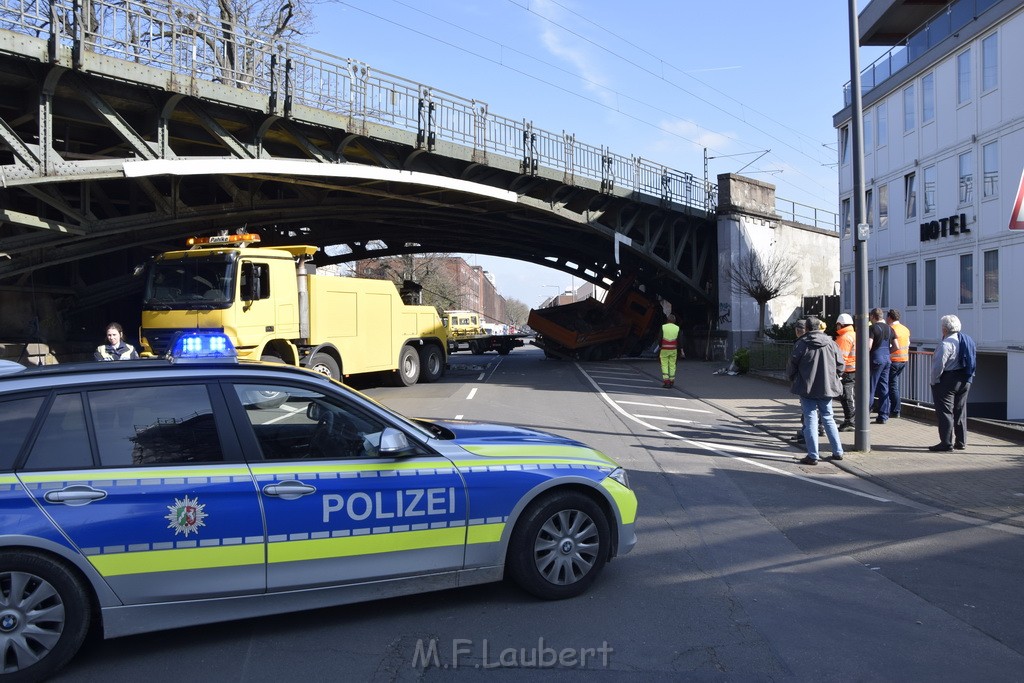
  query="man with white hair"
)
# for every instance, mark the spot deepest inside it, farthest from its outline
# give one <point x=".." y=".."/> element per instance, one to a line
<point x="951" y="377"/>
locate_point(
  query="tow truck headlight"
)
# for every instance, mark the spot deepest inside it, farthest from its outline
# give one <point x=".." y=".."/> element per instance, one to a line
<point x="197" y="347"/>
<point x="620" y="476"/>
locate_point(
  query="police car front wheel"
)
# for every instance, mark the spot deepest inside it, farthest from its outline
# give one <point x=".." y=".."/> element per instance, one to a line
<point x="44" y="616"/>
<point x="559" y="546"/>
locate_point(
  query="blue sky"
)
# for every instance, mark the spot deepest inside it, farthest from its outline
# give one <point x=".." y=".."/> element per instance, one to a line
<point x="660" y="79"/>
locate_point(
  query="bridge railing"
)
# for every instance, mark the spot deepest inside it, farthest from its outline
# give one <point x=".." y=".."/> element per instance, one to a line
<point x="180" y="39"/>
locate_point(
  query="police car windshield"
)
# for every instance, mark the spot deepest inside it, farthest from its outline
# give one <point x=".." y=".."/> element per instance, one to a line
<point x="204" y="282"/>
<point x="422" y="428"/>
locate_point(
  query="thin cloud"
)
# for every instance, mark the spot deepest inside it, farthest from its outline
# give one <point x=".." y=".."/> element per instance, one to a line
<point x="560" y="46"/>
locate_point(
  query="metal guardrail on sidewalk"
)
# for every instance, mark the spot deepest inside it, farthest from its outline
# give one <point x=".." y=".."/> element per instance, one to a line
<point x="915" y="381"/>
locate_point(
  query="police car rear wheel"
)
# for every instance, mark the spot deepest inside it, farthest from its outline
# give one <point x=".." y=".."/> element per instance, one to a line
<point x="559" y="546"/>
<point x="44" y="616"/>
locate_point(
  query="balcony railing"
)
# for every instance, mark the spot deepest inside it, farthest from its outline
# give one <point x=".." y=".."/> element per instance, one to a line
<point x="948" y="21"/>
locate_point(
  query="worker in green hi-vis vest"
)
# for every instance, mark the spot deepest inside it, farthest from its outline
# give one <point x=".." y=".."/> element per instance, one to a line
<point x="669" y="351"/>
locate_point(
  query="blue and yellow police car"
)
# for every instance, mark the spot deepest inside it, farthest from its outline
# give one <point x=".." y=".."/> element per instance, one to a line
<point x="155" y="494"/>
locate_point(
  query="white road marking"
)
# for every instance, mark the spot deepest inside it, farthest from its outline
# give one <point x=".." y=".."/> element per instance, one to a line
<point x="632" y="386"/>
<point x="721" y="449"/>
<point x="666" y="417"/>
<point x="289" y="412"/>
<point x="472" y="393"/>
<point x="458" y="417"/>
<point x="480" y="378"/>
<point x="659" y="405"/>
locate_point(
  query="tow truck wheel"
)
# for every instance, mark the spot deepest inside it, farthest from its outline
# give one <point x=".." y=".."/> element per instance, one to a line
<point x="44" y="618"/>
<point x="325" y="365"/>
<point x="408" y="367"/>
<point x="268" y="400"/>
<point x="431" y="363"/>
<point x="559" y="546"/>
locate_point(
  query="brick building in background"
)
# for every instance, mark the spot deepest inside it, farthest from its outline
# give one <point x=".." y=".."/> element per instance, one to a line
<point x="448" y="282"/>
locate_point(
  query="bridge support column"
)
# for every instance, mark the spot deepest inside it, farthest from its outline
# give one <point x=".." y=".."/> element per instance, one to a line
<point x="748" y="223"/>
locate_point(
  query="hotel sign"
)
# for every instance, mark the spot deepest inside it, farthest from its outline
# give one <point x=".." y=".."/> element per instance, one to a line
<point x="944" y="227"/>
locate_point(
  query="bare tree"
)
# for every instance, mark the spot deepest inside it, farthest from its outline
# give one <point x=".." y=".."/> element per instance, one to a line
<point x="517" y="312"/>
<point x="426" y="270"/>
<point x="763" y="278"/>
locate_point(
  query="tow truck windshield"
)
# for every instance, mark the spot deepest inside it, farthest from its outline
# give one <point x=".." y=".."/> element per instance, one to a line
<point x="193" y="283"/>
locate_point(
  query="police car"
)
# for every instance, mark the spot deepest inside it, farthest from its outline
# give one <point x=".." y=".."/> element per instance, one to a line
<point x="155" y="494"/>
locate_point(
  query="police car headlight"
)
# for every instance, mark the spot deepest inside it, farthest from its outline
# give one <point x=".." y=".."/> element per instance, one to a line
<point x="619" y="475"/>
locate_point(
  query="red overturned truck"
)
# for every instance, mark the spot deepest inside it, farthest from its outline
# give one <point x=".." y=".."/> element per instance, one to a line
<point x="624" y="324"/>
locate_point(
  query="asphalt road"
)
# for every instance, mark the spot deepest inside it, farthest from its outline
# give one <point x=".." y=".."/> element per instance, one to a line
<point x="746" y="569"/>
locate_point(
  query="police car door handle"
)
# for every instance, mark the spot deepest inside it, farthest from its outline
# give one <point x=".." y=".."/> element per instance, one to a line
<point x="74" y="495"/>
<point x="289" y="490"/>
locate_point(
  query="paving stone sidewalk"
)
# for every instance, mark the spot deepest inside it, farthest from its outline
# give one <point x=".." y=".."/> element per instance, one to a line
<point x="985" y="481"/>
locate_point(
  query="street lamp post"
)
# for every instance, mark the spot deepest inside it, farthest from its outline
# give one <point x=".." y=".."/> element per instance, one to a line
<point x="554" y="298"/>
<point x="863" y="399"/>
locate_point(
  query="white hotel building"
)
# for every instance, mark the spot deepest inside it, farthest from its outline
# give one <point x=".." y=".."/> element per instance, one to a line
<point x="943" y="161"/>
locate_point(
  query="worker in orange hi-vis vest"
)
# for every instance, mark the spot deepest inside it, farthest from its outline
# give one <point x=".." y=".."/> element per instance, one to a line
<point x="669" y="351"/>
<point x="846" y="340"/>
<point x="899" y="355"/>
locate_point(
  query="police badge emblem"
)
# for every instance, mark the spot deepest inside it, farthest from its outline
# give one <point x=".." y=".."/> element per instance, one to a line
<point x="186" y="516"/>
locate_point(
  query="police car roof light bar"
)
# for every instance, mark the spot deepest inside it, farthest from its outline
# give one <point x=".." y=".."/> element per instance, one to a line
<point x="200" y="347"/>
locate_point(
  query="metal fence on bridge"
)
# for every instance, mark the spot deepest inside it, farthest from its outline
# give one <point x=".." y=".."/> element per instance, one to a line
<point x="181" y="40"/>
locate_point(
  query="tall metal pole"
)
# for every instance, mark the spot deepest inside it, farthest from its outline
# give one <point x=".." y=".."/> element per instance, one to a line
<point x="862" y="399"/>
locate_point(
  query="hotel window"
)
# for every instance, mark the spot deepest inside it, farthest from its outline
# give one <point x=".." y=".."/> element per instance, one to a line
<point x="844" y="145"/>
<point x="910" y="192"/>
<point x="963" y="77"/>
<point x="992" y="276"/>
<point x="883" y="206"/>
<point x="990" y="177"/>
<point x="847" y="291"/>
<point x="882" y="115"/>
<point x="990" y="63"/>
<point x="869" y="142"/>
<point x="845" y="218"/>
<point x="869" y="208"/>
<point x="929" y="190"/>
<point x="883" y="286"/>
<point x="871" y="285"/>
<point x="927" y="98"/>
<point x="909" y="112"/>
<point x="967" y="278"/>
<point x="911" y="284"/>
<point x="966" y="178"/>
<point x="929" y="282"/>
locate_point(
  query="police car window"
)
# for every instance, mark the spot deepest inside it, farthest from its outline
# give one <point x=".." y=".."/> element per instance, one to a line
<point x="299" y="424"/>
<point x="16" y="418"/>
<point x="155" y="425"/>
<point x="63" y="441"/>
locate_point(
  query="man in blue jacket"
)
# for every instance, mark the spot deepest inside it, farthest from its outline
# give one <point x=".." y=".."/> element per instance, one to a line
<point x="814" y="368"/>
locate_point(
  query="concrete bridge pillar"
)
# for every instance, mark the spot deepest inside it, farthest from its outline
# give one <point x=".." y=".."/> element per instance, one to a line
<point x="748" y="222"/>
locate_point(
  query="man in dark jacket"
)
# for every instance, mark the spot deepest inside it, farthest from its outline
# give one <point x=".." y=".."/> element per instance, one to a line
<point x="814" y="368"/>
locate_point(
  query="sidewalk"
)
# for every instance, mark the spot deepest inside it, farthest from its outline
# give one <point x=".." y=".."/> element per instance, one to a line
<point x="985" y="481"/>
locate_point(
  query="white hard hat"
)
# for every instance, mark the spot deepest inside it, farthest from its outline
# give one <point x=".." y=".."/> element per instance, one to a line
<point x="844" y="319"/>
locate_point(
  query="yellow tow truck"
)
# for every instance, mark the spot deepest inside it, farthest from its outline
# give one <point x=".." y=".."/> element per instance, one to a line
<point x="468" y="332"/>
<point x="274" y="307"/>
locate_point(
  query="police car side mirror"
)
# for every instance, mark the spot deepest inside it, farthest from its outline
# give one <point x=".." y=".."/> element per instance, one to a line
<point x="393" y="442"/>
